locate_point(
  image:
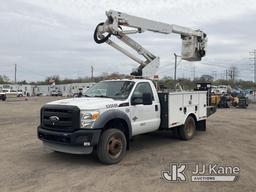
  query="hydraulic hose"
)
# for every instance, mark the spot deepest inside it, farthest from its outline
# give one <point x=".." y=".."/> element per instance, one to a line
<point x="100" y="40"/>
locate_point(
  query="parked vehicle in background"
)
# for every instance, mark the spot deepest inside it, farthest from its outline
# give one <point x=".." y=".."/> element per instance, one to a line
<point x="13" y="93"/>
<point x="56" y="93"/>
<point x="220" y="89"/>
<point x="80" y="93"/>
<point x="20" y="93"/>
<point x="224" y="89"/>
<point x="214" y="89"/>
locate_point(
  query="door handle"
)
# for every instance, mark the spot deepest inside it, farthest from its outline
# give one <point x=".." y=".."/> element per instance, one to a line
<point x="156" y="107"/>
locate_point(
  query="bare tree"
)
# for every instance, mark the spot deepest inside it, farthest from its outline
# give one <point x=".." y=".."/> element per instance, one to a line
<point x="4" y="79"/>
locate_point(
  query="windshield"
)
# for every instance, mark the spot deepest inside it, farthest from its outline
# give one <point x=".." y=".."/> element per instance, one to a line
<point x="111" y="89"/>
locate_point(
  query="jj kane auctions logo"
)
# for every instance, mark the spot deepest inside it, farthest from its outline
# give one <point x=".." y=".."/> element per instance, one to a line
<point x="200" y="173"/>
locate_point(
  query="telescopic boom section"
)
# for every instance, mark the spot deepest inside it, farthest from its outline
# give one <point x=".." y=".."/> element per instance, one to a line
<point x="193" y="41"/>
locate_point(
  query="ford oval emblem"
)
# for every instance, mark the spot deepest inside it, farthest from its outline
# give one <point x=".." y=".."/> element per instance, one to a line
<point x="54" y="119"/>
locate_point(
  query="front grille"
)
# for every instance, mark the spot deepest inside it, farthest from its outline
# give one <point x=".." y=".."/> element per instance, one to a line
<point x="54" y="138"/>
<point x="68" y="118"/>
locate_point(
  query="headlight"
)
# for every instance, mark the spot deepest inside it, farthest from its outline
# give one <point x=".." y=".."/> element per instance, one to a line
<point x="87" y="118"/>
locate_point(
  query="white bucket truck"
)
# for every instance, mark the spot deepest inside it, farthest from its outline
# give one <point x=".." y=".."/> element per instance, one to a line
<point x="113" y="111"/>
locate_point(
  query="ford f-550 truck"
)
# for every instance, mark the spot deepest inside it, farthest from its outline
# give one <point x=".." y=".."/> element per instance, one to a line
<point x="114" y="111"/>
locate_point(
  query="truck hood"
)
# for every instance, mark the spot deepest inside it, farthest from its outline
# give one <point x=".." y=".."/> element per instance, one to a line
<point x="91" y="103"/>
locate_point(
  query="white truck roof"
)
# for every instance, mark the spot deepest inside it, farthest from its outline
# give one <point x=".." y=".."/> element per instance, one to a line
<point x="135" y="80"/>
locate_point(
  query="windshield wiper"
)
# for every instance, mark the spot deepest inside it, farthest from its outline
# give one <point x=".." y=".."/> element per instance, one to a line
<point x="104" y="96"/>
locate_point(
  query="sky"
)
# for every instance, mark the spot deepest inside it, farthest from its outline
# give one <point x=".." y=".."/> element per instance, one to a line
<point x="49" y="37"/>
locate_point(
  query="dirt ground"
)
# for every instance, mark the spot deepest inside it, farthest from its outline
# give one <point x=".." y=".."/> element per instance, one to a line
<point x="25" y="165"/>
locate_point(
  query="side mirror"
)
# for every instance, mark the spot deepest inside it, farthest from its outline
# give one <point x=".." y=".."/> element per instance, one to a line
<point x="147" y="98"/>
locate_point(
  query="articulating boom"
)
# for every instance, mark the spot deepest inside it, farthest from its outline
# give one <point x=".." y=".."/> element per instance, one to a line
<point x="193" y="41"/>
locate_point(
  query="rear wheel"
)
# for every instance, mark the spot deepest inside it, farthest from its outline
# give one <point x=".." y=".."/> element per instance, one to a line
<point x="187" y="130"/>
<point x="112" y="146"/>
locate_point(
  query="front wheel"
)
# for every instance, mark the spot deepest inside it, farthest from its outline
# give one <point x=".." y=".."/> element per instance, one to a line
<point x="112" y="146"/>
<point x="187" y="130"/>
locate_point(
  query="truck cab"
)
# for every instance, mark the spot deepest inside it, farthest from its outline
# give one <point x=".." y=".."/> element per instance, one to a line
<point x="112" y="112"/>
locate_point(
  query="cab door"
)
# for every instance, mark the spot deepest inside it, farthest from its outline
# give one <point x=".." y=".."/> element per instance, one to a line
<point x="144" y="118"/>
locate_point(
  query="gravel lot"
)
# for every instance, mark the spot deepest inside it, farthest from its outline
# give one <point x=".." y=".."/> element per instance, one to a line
<point x="25" y="165"/>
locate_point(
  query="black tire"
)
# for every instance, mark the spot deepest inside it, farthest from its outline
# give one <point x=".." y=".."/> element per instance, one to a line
<point x="112" y="146"/>
<point x="187" y="131"/>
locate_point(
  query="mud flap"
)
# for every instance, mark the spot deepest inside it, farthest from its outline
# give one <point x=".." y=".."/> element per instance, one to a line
<point x="201" y="125"/>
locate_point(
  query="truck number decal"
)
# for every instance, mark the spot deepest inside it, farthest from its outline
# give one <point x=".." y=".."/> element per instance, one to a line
<point x="111" y="105"/>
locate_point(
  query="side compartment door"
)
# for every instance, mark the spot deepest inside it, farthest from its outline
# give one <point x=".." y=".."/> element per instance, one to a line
<point x="191" y="102"/>
<point x="202" y="106"/>
<point x="176" y="113"/>
<point x="144" y="118"/>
